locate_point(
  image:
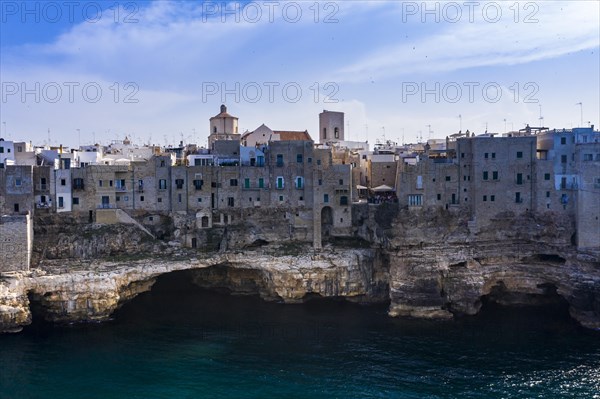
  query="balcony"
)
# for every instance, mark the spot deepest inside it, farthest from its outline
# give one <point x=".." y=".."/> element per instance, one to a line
<point x="43" y="205"/>
<point x="41" y="187"/>
<point x="121" y="188"/>
<point x="106" y="206"/>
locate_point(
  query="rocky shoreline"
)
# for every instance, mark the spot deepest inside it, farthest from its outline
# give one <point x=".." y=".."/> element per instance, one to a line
<point x="423" y="265"/>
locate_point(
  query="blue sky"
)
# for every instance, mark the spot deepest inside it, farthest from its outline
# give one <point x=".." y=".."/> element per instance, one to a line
<point x="156" y="70"/>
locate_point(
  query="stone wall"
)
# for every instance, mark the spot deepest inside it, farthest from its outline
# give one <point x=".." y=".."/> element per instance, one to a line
<point x="16" y="240"/>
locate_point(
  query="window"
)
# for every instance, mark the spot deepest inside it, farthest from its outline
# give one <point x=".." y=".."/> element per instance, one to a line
<point x="519" y="178"/>
<point x="75" y="200"/>
<point x="299" y="158"/>
<point x="336" y="132"/>
<point x="199" y="199"/>
<point x="99" y="183"/>
<point x="299" y="182"/>
<point x="261" y="182"/>
<point x="320" y="182"/>
<point x="16" y="207"/>
<point x="246" y="183"/>
<point x="462" y="154"/>
<point x="78" y="183"/>
<point x="518" y="198"/>
<point x="563" y="159"/>
<point x="547" y="194"/>
<point x="415" y="200"/>
<point x="120" y="184"/>
<point x="179" y="197"/>
<point x="61" y="202"/>
<point x="142" y="198"/>
<point x="19" y="149"/>
<point x="309" y="160"/>
<point x="230" y="201"/>
<point x="280" y="182"/>
<point x="588" y="157"/>
<point x="485" y="155"/>
<point x="1" y="150"/>
<point x="341" y="182"/>
<point x="233" y="182"/>
<point x="159" y="199"/>
<point x="162" y="163"/>
<point x="563" y="140"/>
<point x="485" y="175"/>
<point x="343" y="200"/>
<point x="198" y="184"/>
<point x="447" y="178"/>
<point x="519" y="154"/>
<point x="281" y="198"/>
<point x="318" y="162"/>
<point x="439" y="197"/>
<point x="118" y="198"/>
<point x="18" y="182"/>
<point x="495" y="175"/>
<point x="63" y="182"/>
<point x="485" y="198"/>
<point x="492" y="198"/>
<point x="493" y="155"/>
<point x="110" y="183"/>
<point x="279" y="160"/>
<point x="179" y="183"/>
<point x="162" y="184"/>
<point x="326" y="198"/>
<point x="546" y="176"/>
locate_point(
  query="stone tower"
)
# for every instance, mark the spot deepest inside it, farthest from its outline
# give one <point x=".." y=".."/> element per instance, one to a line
<point x="223" y="127"/>
<point x="331" y="126"/>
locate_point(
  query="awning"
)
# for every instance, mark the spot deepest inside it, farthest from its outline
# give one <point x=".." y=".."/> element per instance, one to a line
<point x="382" y="188"/>
<point x="359" y="187"/>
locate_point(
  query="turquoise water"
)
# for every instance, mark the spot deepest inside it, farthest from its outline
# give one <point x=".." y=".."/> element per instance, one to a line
<point x="178" y="342"/>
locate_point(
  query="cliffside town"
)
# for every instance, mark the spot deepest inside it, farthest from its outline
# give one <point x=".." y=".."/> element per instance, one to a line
<point x="434" y="229"/>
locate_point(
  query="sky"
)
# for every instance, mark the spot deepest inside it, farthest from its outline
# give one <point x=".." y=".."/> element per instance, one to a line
<point x="77" y="72"/>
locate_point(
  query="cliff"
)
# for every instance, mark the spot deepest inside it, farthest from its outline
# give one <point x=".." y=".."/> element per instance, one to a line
<point x="95" y="291"/>
<point x="424" y="263"/>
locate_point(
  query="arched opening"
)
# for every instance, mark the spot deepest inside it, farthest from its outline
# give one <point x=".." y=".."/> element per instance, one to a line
<point x="326" y="221"/>
<point x="204" y="221"/>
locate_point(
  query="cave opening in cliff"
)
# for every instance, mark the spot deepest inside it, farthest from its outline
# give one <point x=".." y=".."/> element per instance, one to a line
<point x="547" y="303"/>
<point x="39" y="313"/>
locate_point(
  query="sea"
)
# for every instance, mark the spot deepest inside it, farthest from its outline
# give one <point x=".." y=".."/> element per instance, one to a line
<point x="179" y="341"/>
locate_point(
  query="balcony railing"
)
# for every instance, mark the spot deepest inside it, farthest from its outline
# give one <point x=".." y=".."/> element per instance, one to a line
<point x="106" y="206"/>
<point x="41" y="187"/>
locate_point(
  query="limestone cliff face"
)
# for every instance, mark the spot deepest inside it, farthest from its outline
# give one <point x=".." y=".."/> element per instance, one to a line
<point x="425" y="263"/>
<point x="95" y="293"/>
<point x="440" y="267"/>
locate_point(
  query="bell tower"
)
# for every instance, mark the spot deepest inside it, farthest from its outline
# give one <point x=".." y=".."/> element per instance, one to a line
<point x="223" y="126"/>
<point x="331" y="126"/>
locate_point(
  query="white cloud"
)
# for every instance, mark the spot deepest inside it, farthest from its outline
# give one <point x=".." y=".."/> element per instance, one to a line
<point x="563" y="28"/>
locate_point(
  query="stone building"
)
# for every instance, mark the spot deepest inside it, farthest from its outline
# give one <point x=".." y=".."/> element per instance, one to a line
<point x="587" y="165"/>
<point x="17" y="185"/>
<point x="496" y="174"/>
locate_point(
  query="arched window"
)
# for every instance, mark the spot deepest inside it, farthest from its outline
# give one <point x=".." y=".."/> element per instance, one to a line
<point x="214" y="129"/>
<point x="336" y="132"/>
